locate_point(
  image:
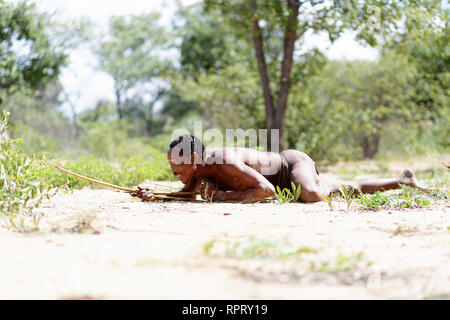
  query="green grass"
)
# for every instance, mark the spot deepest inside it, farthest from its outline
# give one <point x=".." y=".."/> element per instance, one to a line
<point x="341" y="263"/>
<point x="127" y="172"/>
<point x="329" y="200"/>
<point x="24" y="223"/>
<point x="409" y="198"/>
<point x="288" y="195"/>
<point x="349" y="196"/>
<point x="349" y="172"/>
<point x="434" y="177"/>
<point x="207" y="247"/>
<point x="257" y="248"/>
<point x="405" y="229"/>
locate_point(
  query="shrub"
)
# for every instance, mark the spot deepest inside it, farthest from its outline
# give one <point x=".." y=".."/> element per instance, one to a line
<point x="20" y="190"/>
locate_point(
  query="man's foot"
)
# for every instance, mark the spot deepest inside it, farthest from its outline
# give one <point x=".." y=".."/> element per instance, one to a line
<point x="408" y="178"/>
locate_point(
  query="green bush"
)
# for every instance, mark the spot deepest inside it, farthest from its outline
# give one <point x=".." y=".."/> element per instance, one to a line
<point x="25" y="181"/>
<point x="126" y="172"/>
<point x="20" y="189"/>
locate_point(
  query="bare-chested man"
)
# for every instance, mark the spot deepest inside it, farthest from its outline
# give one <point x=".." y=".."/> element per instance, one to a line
<point x="248" y="175"/>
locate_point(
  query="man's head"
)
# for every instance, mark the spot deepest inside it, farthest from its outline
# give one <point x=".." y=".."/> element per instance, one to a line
<point x="185" y="152"/>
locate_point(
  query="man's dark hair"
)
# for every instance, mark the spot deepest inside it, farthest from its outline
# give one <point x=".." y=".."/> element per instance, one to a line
<point x="190" y="144"/>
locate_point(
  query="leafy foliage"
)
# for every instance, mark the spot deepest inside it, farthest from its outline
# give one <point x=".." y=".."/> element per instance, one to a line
<point x="329" y="200"/>
<point x="40" y="60"/>
<point x="128" y="172"/>
<point x="132" y="53"/>
<point x="424" y="42"/>
<point x="351" y="104"/>
<point x="377" y="201"/>
<point x="230" y="99"/>
<point x="286" y="195"/>
<point x="20" y="189"/>
<point x="349" y="195"/>
<point x="255" y="248"/>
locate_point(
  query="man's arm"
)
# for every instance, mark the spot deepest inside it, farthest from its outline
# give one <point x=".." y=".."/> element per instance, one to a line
<point x="146" y="192"/>
<point x="255" y="186"/>
<point x="191" y="186"/>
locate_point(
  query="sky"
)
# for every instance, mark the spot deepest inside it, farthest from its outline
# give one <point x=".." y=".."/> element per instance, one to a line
<point x="85" y="84"/>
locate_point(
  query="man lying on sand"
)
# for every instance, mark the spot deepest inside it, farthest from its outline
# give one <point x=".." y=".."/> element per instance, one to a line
<point x="248" y="175"/>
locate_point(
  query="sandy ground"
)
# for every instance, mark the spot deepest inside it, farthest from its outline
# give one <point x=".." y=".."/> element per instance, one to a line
<point x="101" y="244"/>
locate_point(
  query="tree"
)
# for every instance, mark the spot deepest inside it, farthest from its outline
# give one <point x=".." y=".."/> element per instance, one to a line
<point x="425" y="43"/>
<point x="346" y="108"/>
<point x="28" y="56"/>
<point x="207" y="49"/>
<point x="33" y="51"/>
<point x="36" y="118"/>
<point x="132" y="53"/>
<point x="208" y="44"/>
<point x="227" y="99"/>
<point x="282" y="23"/>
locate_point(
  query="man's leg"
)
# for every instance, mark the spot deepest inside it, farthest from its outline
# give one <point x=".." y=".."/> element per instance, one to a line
<point x="303" y="173"/>
<point x="367" y="185"/>
<point x="372" y="185"/>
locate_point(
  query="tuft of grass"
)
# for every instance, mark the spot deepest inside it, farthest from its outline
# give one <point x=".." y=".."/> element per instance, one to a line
<point x="407" y="202"/>
<point x="256" y="248"/>
<point x="429" y="193"/>
<point x="405" y="230"/>
<point x="434" y="177"/>
<point x="329" y="200"/>
<point x="82" y="225"/>
<point x="342" y="263"/>
<point x="288" y="195"/>
<point x="377" y="200"/>
<point x="374" y="201"/>
<point x="24" y="223"/>
<point x="349" y="196"/>
<point x="207" y="247"/>
<point x="210" y="190"/>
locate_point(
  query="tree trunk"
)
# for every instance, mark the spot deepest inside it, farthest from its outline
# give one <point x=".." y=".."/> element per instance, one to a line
<point x="290" y="36"/>
<point x="275" y="117"/>
<point x="370" y="144"/>
<point x="119" y="101"/>
<point x="262" y="68"/>
<point x="76" y="126"/>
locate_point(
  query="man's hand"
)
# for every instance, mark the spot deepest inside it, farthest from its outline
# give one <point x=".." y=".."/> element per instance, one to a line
<point x="145" y="192"/>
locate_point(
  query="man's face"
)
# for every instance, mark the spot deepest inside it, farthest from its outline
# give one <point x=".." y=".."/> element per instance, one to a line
<point x="182" y="167"/>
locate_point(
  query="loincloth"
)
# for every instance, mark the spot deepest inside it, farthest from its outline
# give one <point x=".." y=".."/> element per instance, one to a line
<point x="284" y="174"/>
